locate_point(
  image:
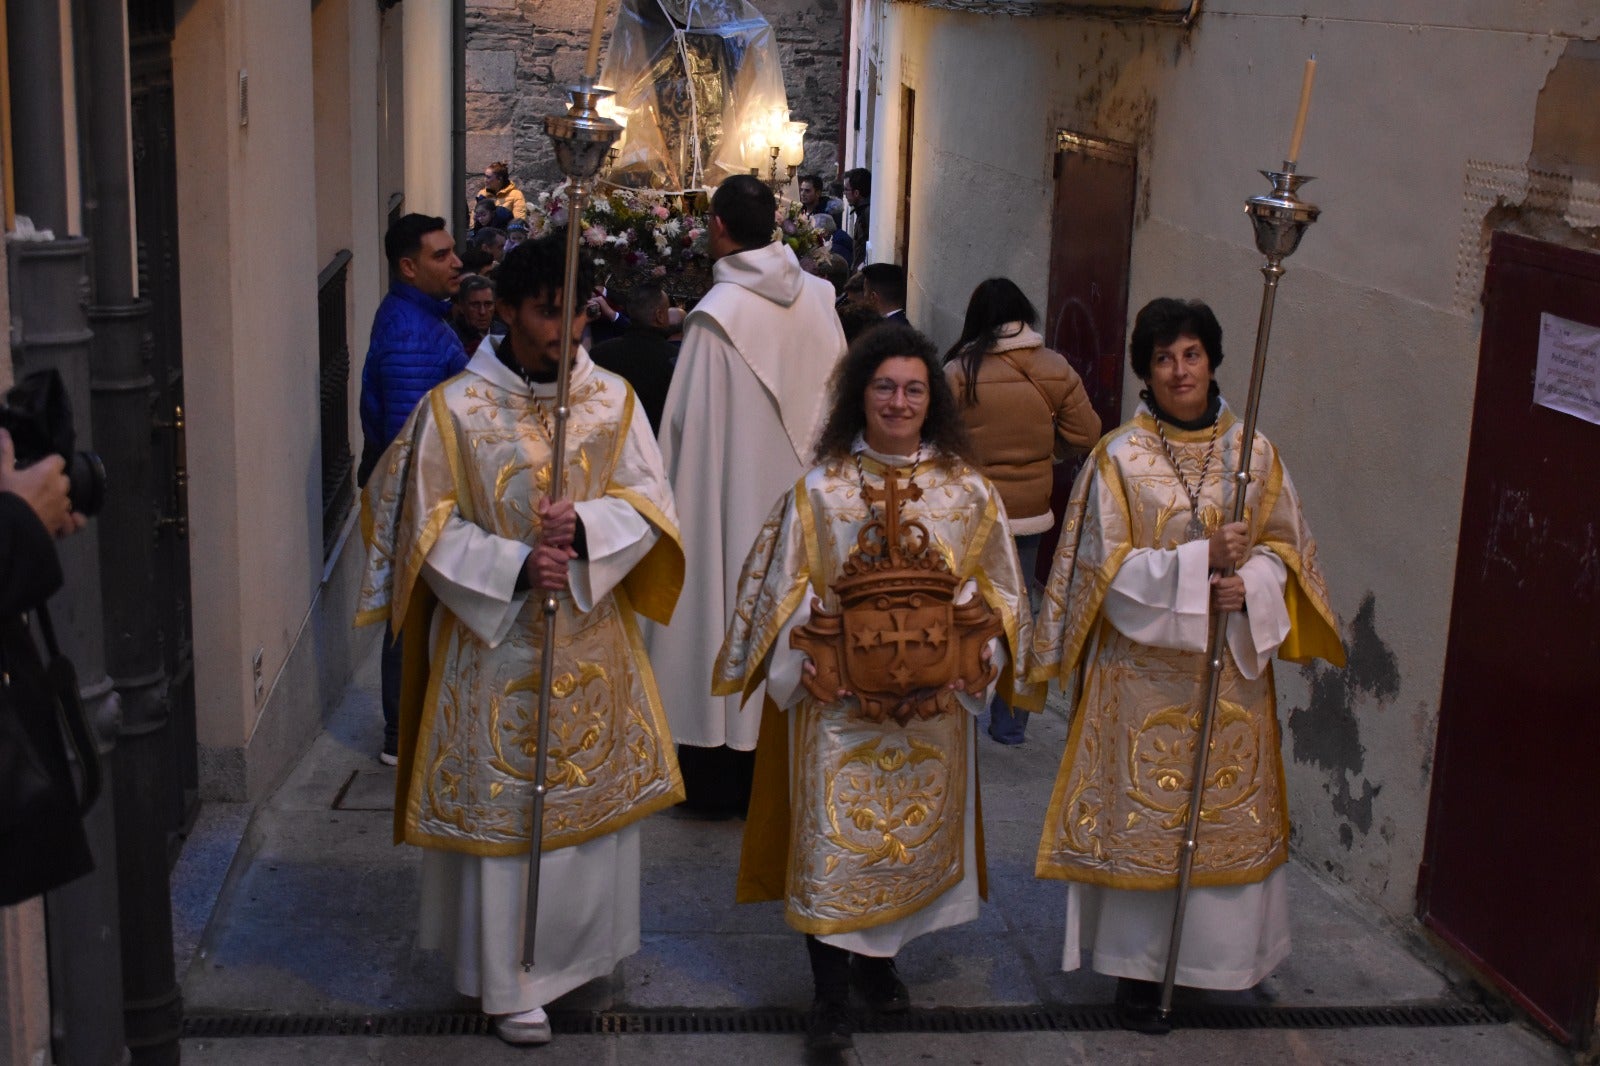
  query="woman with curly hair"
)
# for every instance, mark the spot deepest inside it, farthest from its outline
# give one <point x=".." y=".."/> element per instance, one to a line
<point x="868" y="831"/>
<point x="1025" y="409"/>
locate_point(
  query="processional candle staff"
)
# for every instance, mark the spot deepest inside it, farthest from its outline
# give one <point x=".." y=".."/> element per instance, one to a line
<point x="582" y="138"/>
<point x="1280" y="219"/>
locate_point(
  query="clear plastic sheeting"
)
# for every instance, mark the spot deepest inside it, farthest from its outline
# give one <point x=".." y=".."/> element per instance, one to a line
<point x="694" y="79"/>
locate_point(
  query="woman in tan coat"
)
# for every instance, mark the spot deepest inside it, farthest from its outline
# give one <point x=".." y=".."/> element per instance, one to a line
<point x="1025" y="409"/>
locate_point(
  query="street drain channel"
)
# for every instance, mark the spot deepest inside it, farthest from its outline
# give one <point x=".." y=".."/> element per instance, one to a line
<point x="767" y="1021"/>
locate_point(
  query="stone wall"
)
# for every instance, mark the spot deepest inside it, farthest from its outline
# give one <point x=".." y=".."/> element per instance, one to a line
<point x="521" y="52"/>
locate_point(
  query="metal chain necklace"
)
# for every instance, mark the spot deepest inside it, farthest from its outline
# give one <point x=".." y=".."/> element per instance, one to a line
<point x="1196" y="529"/>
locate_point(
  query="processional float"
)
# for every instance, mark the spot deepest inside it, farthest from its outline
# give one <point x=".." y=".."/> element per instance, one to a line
<point x="1280" y="219"/>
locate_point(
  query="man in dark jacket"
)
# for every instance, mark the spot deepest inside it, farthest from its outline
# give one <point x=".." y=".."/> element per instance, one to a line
<point x="858" y="194"/>
<point x="643" y="355"/>
<point x="413" y="348"/>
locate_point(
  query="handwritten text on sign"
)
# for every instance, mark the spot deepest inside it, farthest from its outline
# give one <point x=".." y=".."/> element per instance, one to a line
<point x="1568" y="374"/>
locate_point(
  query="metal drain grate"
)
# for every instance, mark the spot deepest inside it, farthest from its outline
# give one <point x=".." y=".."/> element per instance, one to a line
<point x="774" y="1021"/>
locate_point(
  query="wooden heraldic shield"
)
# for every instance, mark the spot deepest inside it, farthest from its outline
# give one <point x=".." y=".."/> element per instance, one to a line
<point x="899" y="637"/>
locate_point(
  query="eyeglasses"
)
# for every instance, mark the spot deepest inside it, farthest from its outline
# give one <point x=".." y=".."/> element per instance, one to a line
<point x="884" y="389"/>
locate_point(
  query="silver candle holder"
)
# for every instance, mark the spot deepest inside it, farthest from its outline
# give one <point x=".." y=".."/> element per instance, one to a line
<point x="1280" y="218"/>
<point x="583" y="139"/>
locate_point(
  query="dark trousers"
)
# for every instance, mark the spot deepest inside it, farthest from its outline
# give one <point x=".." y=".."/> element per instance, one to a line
<point x="716" y="780"/>
<point x="1006" y="726"/>
<point x="389" y="688"/>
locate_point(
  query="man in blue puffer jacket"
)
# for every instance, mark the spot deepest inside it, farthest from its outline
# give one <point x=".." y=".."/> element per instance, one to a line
<point x="413" y="348"/>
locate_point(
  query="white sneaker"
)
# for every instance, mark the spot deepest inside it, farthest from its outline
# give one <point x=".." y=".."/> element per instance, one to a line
<point x="525" y="1029"/>
<point x="388" y="758"/>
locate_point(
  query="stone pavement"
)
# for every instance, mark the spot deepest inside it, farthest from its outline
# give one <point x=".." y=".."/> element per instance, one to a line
<point x="305" y="907"/>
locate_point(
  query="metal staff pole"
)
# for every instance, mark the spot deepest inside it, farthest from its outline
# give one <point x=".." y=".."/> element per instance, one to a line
<point x="582" y="140"/>
<point x="1280" y="220"/>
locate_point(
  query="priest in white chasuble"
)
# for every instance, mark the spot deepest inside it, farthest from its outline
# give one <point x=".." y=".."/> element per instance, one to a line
<point x="1124" y="629"/>
<point x="746" y="401"/>
<point x="864" y="815"/>
<point x="463" y="542"/>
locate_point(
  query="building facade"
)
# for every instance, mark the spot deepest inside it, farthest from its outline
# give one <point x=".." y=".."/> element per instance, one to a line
<point x="216" y="177"/>
<point x="1101" y="162"/>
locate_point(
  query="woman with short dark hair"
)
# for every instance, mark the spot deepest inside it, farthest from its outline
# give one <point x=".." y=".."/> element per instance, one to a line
<point x="1146" y="553"/>
<point x="881" y="843"/>
<point x="1025" y="409"/>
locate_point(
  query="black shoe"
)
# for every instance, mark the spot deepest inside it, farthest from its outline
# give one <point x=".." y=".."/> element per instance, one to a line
<point x="1138" y="1007"/>
<point x="879" y="984"/>
<point x="828" y="1027"/>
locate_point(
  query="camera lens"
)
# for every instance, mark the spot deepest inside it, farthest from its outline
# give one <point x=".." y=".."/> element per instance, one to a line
<point x="87" y="475"/>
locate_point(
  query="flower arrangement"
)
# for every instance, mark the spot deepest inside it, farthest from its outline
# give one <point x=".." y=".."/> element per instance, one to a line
<point x="638" y="234"/>
<point x="798" y="231"/>
<point x="634" y="234"/>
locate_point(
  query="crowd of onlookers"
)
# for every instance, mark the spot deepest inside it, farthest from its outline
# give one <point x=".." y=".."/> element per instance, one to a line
<point x="636" y="333"/>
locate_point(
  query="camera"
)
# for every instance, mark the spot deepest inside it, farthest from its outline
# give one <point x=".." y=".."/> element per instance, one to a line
<point x="38" y="416"/>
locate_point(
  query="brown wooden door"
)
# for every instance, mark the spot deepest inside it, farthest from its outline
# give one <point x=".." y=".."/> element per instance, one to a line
<point x="1091" y="237"/>
<point x="1511" y="866"/>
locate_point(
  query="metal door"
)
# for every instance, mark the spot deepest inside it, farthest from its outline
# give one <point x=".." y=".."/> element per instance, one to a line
<point x="1511" y="865"/>
<point x="1091" y="237"/>
<point x="150" y="29"/>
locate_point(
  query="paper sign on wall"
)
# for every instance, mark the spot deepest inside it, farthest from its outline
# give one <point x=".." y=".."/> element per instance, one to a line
<point x="1567" y="377"/>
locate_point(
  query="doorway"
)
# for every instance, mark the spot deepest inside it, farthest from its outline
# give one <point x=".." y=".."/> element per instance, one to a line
<point x="1091" y="240"/>
<point x="155" y="170"/>
<point x="1511" y="865"/>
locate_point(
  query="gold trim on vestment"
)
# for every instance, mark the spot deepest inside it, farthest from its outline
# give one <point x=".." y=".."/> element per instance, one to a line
<point x="656" y="581"/>
<point x="1120" y="799"/>
<point x="859" y="823"/>
<point x="468" y="726"/>
<point x="808" y="528"/>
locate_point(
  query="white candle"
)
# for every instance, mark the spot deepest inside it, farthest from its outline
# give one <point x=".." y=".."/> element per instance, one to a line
<point x="591" y="62"/>
<point x="1305" y="105"/>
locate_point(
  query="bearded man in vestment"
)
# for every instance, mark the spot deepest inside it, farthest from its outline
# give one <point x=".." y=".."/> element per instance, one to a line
<point x="740" y="418"/>
<point x="463" y="539"/>
<point x="1124" y="627"/>
<point x="868" y="829"/>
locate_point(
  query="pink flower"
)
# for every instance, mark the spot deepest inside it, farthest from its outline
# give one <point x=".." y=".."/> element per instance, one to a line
<point x="595" y="236"/>
<point x="694" y="234"/>
<point x="661" y="212"/>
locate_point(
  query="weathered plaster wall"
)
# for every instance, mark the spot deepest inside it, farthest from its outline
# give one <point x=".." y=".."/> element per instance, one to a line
<point x="520" y="53"/>
<point x="1370" y="385"/>
<point x="249" y="276"/>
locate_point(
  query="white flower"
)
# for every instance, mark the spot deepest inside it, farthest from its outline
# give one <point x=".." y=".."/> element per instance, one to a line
<point x="672" y="227"/>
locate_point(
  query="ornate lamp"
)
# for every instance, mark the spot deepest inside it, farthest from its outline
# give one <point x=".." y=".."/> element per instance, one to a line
<point x="776" y="140"/>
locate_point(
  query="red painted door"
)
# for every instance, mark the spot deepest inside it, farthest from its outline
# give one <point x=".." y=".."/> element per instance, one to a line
<point x="1091" y="236"/>
<point x="1511" y="866"/>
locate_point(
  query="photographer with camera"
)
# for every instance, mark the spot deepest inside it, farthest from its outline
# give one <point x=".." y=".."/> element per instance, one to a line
<point x="42" y="843"/>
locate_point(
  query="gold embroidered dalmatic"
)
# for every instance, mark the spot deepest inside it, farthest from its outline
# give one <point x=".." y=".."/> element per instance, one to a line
<point x="863" y="822"/>
<point x="1121" y="797"/>
<point x="479" y="451"/>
